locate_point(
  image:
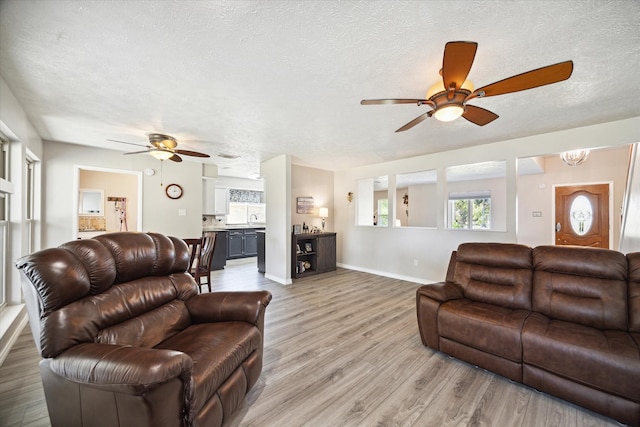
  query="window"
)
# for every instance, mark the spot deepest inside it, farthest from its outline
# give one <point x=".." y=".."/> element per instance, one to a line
<point x="5" y="192"/>
<point x="246" y="207"/>
<point x="382" y="216"/>
<point x="30" y="220"/>
<point x="470" y="211"/>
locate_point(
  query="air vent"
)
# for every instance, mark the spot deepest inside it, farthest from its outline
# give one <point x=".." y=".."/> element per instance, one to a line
<point x="228" y="156"/>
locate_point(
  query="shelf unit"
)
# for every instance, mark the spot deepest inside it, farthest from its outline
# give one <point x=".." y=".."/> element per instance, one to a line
<point x="317" y="254"/>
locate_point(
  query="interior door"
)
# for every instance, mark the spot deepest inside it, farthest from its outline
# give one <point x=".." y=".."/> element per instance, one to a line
<point x="582" y="215"/>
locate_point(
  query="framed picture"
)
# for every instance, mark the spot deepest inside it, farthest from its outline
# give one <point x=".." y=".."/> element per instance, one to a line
<point x="298" y="250"/>
<point x="307" y="247"/>
<point x="304" y="205"/>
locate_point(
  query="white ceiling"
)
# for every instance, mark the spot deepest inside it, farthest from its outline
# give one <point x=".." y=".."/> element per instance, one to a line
<point x="261" y="79"/>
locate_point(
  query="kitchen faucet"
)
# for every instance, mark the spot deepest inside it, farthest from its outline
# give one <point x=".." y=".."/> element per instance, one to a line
<point x="252" y="217"/>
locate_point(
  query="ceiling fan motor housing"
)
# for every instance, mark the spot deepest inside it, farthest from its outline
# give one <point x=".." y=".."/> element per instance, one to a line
<point x="162" y="141"/>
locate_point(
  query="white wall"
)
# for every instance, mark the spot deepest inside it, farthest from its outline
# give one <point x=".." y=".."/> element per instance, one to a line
<point x="24" y="139"/>
<point x="630" y="238"/>
<point x="159" y="213"/>
<point x="422" y="254"/>
<point x="277" y="184"/>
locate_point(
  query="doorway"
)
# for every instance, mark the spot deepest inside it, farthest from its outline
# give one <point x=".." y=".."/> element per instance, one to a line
<point x="119" y="194"/>
<point x="582" y="215"/>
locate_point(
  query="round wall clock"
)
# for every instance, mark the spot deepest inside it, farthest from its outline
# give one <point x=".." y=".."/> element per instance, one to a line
<point x="174" y="191"/>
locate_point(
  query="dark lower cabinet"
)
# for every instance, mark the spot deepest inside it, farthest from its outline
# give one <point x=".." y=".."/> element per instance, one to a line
<point x="313" y="254"/>
<point x="234" y="248"/>
<point x="242" y="243"/>
<point x="261" y="251"/>
<point x="220" y="251"/>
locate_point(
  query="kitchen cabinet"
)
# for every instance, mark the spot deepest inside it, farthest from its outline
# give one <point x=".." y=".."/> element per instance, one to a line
<point x="220" y="251"/>
<point x="215" y="200"/>
<point x="242" y="243"/>
<point x="261" y="251"/>
<point x="221" y="206"/>
<point x="312" y="254"/>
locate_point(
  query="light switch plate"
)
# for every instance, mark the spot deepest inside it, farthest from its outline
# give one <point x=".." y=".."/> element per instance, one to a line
<point x="182" y="212"/>
<point x="536" y="214"/>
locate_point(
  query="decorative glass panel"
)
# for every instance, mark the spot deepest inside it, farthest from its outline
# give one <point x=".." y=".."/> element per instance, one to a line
<point x="581" y="215"/>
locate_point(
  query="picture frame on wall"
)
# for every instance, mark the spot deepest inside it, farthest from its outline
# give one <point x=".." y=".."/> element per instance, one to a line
<point x="304" y="205"/>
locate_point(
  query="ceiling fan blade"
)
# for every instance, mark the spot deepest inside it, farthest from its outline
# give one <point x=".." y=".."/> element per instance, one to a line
<point x="393" y="101"/>
<point x="175" y="158"/>
<point x="457" y="61"/>
<point x="478" y="115"/>
<point x="124" y="142"/>
<point x="415" y="121"/>
<point x="192" y="153"/>
<point x="529" y="80"/>
<point x="137" y="152"/>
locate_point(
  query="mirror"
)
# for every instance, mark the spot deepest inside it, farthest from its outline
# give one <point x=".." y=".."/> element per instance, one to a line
<point x="373" y="201"/>
<point x="416" y="199"/>
<point x="91" y="202"/>
<point x="477" y="196"/>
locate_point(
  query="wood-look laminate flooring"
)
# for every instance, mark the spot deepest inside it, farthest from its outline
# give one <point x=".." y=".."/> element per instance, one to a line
<point x="341" y="349"/>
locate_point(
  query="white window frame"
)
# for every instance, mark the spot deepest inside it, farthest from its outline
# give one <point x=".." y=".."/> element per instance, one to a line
<point x="6" y="189"/>
<point x="469" y="198"/>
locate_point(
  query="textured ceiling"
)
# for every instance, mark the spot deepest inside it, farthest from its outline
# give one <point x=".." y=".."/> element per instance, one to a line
<point x="261" y="79"/>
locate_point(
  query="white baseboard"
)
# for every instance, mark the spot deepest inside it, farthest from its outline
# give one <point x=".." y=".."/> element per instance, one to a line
<point x="13" y="319"/>
<point x="387" y="274"/>
<point x="281" y="280"/>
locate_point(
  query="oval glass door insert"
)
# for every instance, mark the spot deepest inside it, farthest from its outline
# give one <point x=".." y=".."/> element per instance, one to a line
<point x="581" y="215"/>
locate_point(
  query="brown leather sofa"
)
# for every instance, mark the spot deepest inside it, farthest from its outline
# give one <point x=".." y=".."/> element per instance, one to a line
<point x="127" y="340"/>
<point x="563" y="320"/>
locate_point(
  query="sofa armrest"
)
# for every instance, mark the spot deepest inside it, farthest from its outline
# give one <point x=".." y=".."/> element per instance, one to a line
<point x="229" y="306"/>
<point x="122" y="369"/>
<point x="441" y="291"/>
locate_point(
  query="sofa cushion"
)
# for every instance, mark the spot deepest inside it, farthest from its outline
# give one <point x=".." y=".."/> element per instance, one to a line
<point x="607" y="360"/>
<point x="581" y="285"/>
<point x="633" y="260"/>
<point x="492" y="329"/>
<point x="217" y="350"/>
<point x="495" y="273"/>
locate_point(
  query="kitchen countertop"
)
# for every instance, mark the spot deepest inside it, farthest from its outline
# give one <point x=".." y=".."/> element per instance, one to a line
<point x="233" y="227"/>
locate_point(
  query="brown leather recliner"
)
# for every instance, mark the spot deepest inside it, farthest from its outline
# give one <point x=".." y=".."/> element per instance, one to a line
<point x="126" y="340"/>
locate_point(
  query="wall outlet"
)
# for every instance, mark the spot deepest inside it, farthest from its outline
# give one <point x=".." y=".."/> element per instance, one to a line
<point x="182" y="212"/>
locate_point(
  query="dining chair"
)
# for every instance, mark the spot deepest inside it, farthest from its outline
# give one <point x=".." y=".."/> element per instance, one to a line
<point x="202" y="269"/>
<point x="194" y="246"/>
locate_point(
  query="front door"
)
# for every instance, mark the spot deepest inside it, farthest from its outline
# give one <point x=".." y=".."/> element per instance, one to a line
<point x="582" y="215"/>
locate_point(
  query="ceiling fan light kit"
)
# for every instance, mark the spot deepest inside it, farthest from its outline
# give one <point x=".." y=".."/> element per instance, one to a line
<point x="163" y="147"/>
<point x="161" y="154"/>
<point x="448" y="98"/>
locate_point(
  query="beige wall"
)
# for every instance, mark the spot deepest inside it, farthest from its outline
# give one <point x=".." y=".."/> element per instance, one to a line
<point x="536" y="192"/>
<point x="159" y="213"/>
<point x="316" y="183"/>
<point x="422" y="254"/>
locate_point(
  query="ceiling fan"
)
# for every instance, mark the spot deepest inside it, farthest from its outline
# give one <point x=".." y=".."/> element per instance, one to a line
<point x="163" y="147"/>
<point x="448" y="98"/>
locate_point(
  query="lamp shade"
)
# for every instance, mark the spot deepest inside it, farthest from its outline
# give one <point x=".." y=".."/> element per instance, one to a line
<point x="324" y="212"/>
